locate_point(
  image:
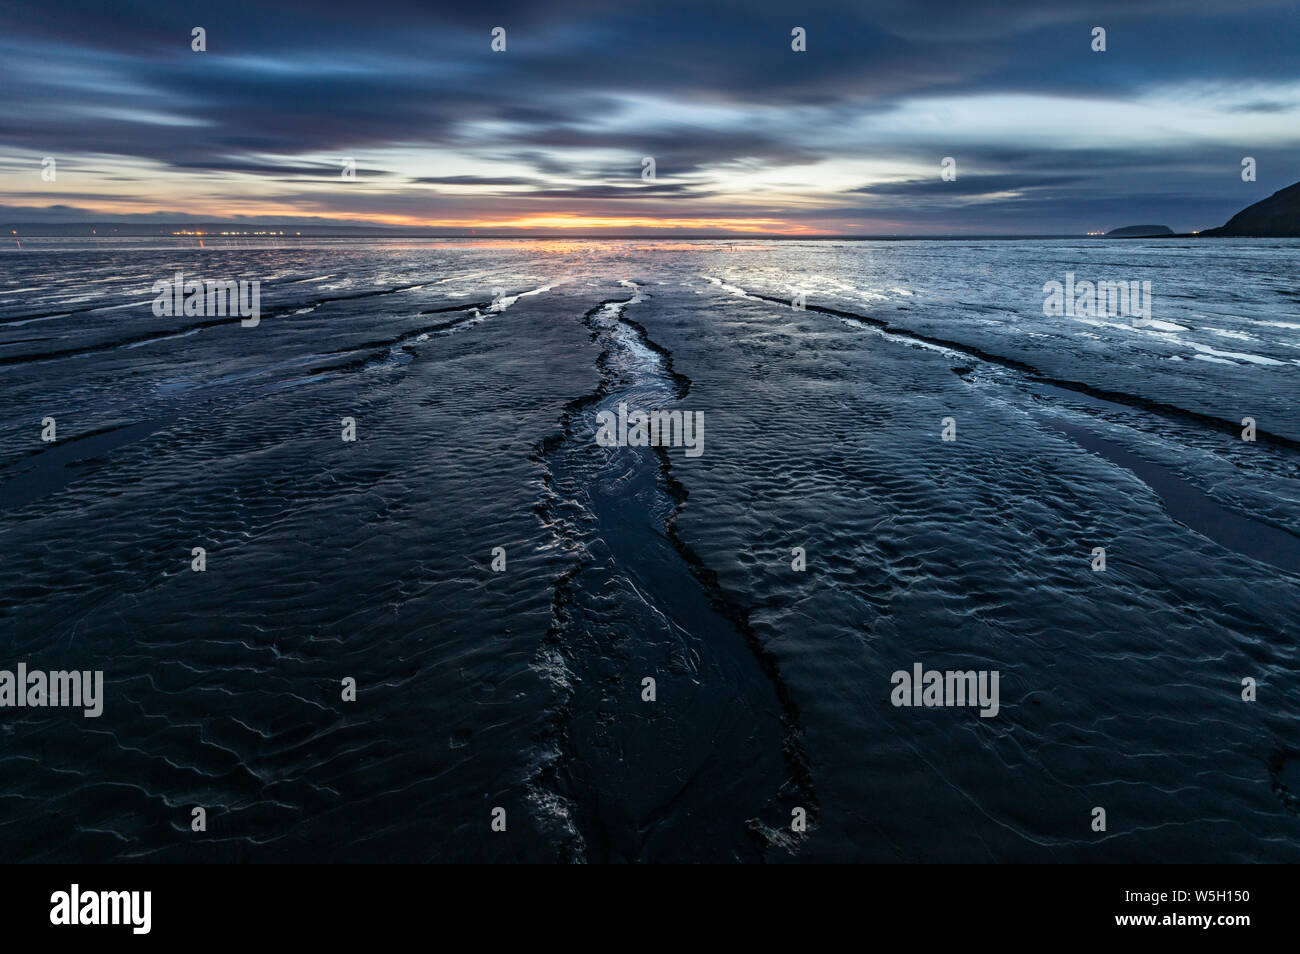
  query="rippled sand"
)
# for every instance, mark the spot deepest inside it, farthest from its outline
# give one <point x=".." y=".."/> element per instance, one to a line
<point x="524" y="689"/>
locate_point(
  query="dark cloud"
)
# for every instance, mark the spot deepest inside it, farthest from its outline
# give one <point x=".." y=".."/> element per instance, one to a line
<point x="636" y="193"/>
<point x="295" y="79"/>
<point x="311" y="170"/>
<point x="477" y="180"/>
<point x="967" y="185"/>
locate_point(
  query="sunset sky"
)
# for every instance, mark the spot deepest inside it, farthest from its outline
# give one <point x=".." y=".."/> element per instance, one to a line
<point x="747" y="135"/>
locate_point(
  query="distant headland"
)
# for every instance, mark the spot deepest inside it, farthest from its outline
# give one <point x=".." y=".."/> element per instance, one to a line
<point x="1278" y="216"/>
<point x="1140" y="231"/>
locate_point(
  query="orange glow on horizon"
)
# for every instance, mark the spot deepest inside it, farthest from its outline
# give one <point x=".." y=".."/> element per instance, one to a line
<point x="536" y="221"/>
<point x="575" y="221"/>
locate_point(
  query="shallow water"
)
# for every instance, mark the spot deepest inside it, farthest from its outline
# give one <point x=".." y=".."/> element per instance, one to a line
<point x="474" y="372"/>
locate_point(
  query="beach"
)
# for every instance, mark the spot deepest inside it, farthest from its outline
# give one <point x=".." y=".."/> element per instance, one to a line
<point x="475" y="376"/>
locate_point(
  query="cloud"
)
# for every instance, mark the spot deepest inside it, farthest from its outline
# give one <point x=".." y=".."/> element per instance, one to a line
<point x="477" y="180"/>
<point x="562" y="119"/>
<point x="968" y="185"/>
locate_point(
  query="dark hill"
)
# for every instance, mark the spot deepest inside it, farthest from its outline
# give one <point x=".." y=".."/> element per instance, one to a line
<point x="1139" y="231"/>
<point x="1278" y="216"/>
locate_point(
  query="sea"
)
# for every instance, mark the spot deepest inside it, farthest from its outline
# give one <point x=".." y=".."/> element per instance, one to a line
<point x="364" y="585"/>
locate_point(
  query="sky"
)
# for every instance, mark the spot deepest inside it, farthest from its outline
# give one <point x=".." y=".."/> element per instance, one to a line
<point x="747" y="135"/>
